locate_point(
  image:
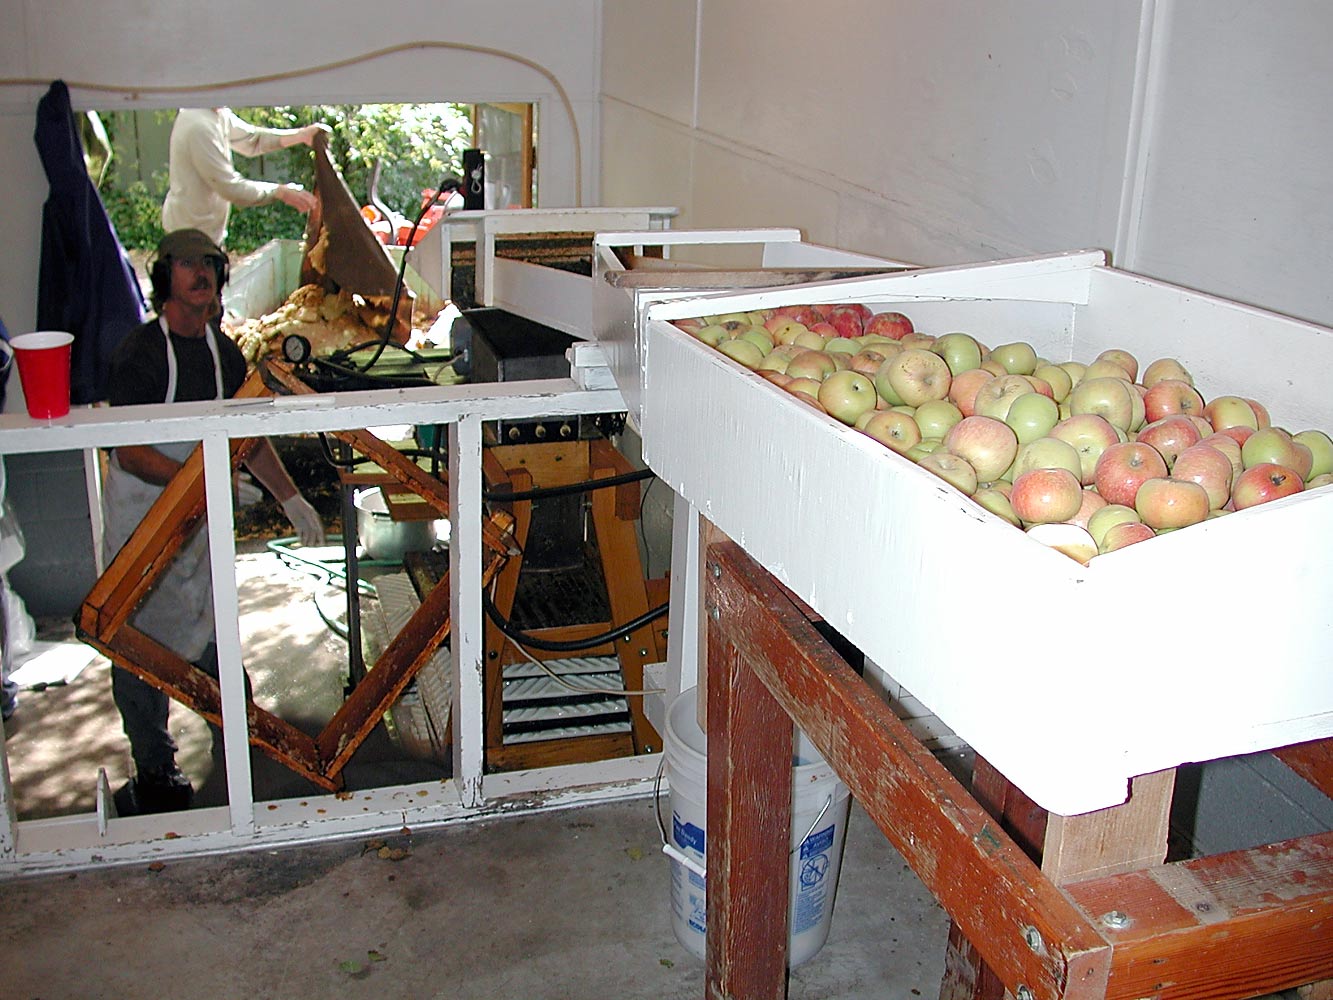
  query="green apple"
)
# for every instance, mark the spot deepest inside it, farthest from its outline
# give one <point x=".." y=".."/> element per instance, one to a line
<point x="1321" y="450"/>
<point x="1032" y="416"/>
<point x="1060" y="381"/>
<point x="756" y="335"/>
<point x="842" y="345"/>
<point x="846" y="395"/>
<point x="997" y="503"/>
<point x="1019" y="358"/>
<point x="893" y="428"/>
<point x="743" y="352"/>
<point x="960" y="350"/>
<point x="1111" y="514"/>
<point x="1047" y="453"/>
<point x="712" y="335"/>
<point x="936" y="416"/>
<point x="955" y="471"/>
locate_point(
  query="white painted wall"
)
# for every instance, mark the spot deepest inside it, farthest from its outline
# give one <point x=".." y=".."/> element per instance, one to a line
<point x="1185" y="136"/>
<point x="141" y="47"/>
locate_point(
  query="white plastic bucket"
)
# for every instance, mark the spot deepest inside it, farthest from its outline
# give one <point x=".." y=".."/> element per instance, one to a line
<point x="820" y="804"/>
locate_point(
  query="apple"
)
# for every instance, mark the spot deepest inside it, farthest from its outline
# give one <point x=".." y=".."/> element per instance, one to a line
<point x="1092" y="502"/>
<point x="801" y="385"/>
<point x="996" y="395"/>
<point x="1044" y="496"/>
<point x="1230" y="411"/>
<point x="1018" y="358"/>
<point x="1124" y="467"/>
<point x="889" y="324"/>
<point x="1032" y="416"/>
<point x="1237" y="432"/>
<point x="988" y="445"/>
<point x="756" y="335"/>
<point x="1122" y="358"/>
<point x="1321" y="451"/>
<point x="1075" y="369"/>
<point x="742" y="352"/>
<point x="924" y="447"/>
<point x="712" y="335"/>
<point x="1090" y="435"/>
<point x="959" y="350"/>
<point x="955" y="471"/>
<point x="915" y="376"/>
<point x="1057" y="378"/>
<point x="997" y="502"/>
<point x="936" y="416"/>
<point x="817" y="365"/>
<point x="785" y="331"/>
<point x="1047" y="453"/>
<point x="1323" y="479"/>
<point x="1170" y="436"/>
<point x="1229" y="447"/>
<point x="1168" y="503"/>
<point x="810" y="339"/>
<point x="1068" y="539"/>
<point x="1260" y="413"/>
<point x="847" y="322"/>
<point x="1108" y="397"/>
<point x="1165" y="368"/>
<point x="1119" y="535"/>
<point x="841" y="345"/>
<point x="993" y="366"/>
<point x="774" y="362"/>
<point x="1109" y="516"/>
<point x="963" y="389"/>
<point x="732" y="320"/>
<point x="1041" y="385"/>
<point x="1169" y="396"/>
<point x="1264" y="482"/>
<point x="1105" y="368"/>
<point x="779" y="379"/>
<point x="690" y="326"/>
<point x="846" y="395"/>
<point x="893" y="428"/>
<point x="1276" y="447"/>
<point x="921" y="341"/>
<point x="1207" y="466"/>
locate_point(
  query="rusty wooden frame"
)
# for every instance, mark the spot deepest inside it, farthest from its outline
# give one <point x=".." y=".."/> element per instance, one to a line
<point x="1229" y="926"/>
<point x="103" y="619"/>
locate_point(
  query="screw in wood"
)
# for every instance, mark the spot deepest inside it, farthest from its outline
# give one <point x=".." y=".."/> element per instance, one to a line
<point x="1115" y="920"/>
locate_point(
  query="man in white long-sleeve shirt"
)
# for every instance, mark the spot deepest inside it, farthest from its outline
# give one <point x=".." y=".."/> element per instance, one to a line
<point x="204" y="183"/>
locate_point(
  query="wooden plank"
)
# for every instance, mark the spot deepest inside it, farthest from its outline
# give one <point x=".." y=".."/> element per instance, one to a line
<point x="1122" y="838"/>
<point x="183" y="681"/>
<point x="979" y="875"/>
<point x="750" y="746"/>
<point x="1227" y="926"/>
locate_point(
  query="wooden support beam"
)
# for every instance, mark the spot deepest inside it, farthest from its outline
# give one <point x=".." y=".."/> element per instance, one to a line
<point x="1022" y="925"/>
<point x="1226" y="926"/>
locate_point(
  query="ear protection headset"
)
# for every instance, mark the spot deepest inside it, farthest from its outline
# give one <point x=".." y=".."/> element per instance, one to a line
<point x="159" y="276"/>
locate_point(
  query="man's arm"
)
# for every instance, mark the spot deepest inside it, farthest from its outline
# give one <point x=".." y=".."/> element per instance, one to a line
<point x="147" y="463"/>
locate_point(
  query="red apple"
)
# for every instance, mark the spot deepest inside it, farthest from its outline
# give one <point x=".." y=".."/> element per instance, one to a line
<point x="1124" y="467"/>
<point x="1091" y="503"/>
<point x="1165" y="368"/>
<point x="1168" y="396"/>
<point x="846" y="321"/>
<point x="1171" y="503"/>
<point x="1126" y="533"/>
<point x="1264" y="482"/>
<point x="1123" y="358"/>
<point x="889" y="324"/>
<point x="817" y="365"/>
<point x="1207" y="466"/>
<point x="1170" y="436"/>
<point x="964" y="387"/>
<point x="1230" y="411"/>
<point x="1260" y="413"/>
<point x="1045" y="496"/>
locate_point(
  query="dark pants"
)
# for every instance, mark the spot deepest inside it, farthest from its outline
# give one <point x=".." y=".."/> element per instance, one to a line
<point x="144" y="713"/>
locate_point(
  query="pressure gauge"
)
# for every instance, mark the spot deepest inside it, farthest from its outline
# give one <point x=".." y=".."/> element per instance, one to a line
<point x="296" y="348"/>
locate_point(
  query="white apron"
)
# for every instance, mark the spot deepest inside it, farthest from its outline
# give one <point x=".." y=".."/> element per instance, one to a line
<point x="178" y="611"/>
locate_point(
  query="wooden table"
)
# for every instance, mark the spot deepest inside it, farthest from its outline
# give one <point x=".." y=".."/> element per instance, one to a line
<point x="1044" y="906"/>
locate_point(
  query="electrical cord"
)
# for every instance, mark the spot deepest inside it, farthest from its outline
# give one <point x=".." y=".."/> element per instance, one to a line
<point x="245" y="82"/>
<point x="518" y="636"/>
<point x="544" y="492"/>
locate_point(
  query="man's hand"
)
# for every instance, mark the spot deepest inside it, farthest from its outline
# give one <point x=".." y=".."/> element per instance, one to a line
<point x="312" y="132"/>
<point x="295" y="196"/>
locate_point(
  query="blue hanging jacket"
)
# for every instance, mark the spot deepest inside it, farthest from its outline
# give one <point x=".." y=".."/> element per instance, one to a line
<point x="86" y="284"/>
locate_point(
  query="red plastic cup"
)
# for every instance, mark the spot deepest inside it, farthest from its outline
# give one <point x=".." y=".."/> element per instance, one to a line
<point x="43" y="360"/>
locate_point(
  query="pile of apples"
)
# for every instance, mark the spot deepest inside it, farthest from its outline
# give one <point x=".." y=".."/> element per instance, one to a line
<point x="1086" y="457"/>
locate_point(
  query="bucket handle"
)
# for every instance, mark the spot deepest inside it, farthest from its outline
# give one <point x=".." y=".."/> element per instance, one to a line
<point x="670" y="849"/>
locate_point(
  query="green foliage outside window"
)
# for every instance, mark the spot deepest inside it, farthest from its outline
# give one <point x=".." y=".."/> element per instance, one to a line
<point x="416" y="145"/>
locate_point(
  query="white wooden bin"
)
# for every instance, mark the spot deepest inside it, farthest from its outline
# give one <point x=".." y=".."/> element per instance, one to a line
<point x="1204" y="643"/>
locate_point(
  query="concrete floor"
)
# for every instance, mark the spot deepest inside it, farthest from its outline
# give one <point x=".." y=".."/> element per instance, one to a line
<point x="572" y="903"/>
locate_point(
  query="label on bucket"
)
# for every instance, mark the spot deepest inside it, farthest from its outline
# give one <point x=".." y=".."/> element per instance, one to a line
<point x="686" y="835"/>
<point x="808" y="904"/>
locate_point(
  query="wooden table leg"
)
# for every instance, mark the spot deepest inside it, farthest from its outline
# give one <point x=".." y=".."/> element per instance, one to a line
<point x="750" y="748"/>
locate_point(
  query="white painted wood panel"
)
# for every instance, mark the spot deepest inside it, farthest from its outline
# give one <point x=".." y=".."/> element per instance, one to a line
<point x="1069" y="679"/>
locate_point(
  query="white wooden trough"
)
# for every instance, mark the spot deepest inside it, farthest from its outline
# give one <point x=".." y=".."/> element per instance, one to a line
<point x="1209" y="642"/>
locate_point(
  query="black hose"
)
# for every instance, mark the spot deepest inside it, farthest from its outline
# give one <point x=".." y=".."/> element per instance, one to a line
<point x="560" y="491"/>
<point x="573" y="645"/>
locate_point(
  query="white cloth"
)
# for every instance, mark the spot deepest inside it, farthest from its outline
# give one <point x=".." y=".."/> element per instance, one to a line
<point x="204" y="183"/>
<point x="178" y="611"/>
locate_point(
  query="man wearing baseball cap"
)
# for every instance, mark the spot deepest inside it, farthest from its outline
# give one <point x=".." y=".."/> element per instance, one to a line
<point x="179" y="356"/>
